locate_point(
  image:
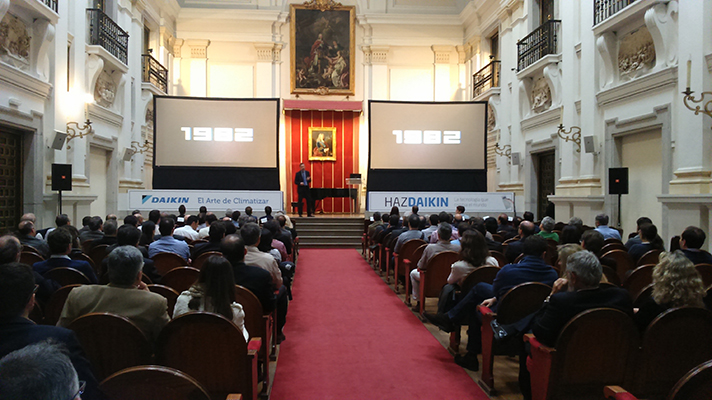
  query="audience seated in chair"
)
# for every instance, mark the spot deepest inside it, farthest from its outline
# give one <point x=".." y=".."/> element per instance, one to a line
<point x="649" y="241"/>
<point x="636" y="239"/>
<point x="109" y="228"/>
<point x="167" y="243"/>
<point x="126" y="295"/>
<point x="27" y="236"/>
<point x="189" y="229"/>
<point x="546" y="227"/>
<point x="17" y="299"/>
<point x="515" y="248"/>
<point x="129" y="235"/>
<point x="60" y="244"/>
<point x="95" y="231"/>
<point x="603" y="228"/>
<point x="691" y="242"/>
<point x="444" y="231"/>
<point x="216" y="234"/>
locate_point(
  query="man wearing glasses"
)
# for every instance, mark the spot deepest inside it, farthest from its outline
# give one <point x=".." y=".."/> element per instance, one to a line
<point x="17" y="299"/>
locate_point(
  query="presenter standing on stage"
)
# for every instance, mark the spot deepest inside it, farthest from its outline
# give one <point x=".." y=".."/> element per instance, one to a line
<point x="302" y="179"/>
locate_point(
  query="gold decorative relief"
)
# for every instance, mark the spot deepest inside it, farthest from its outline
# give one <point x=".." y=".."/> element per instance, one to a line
<point x="636" y="54"/>
<point x="14" y="42"/>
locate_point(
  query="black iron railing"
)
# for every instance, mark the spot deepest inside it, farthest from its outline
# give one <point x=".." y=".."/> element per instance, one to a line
<point x="104" y="32"/>
<point x="51" y="4"/>
<point x="542" y="41"/>
<point x="602" y="9"/>
<point x="154" y="72"/>
<point x="486" y="78"/>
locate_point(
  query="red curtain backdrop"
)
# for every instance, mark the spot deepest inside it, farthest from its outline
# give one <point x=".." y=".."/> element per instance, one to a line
<point x="324" y="174"/>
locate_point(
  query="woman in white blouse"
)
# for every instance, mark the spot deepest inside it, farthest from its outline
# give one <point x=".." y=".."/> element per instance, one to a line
<point x="474" y="253"/>
<point x="213" y="292"/>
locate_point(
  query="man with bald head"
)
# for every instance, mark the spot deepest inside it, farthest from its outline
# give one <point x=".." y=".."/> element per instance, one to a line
<point x="514" y="249"/>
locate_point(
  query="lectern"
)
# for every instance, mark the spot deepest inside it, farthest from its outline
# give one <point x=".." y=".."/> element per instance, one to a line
<point x="354" y="182"/>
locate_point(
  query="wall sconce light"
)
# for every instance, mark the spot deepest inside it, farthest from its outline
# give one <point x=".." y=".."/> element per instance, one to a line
<point x="707" y="107"/>
<point x="573" y="134"/>
<point x="140" y="148"/>
<point x="83" y="130"/>
<point x="505" y="151"/>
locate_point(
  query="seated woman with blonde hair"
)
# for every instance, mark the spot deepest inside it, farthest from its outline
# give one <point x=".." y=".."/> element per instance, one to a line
<point x="213" y="292"/>
<point x="676" y="283"/>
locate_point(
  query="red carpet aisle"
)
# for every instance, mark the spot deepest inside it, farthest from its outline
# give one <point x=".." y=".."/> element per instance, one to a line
<point x="350" y="337"/>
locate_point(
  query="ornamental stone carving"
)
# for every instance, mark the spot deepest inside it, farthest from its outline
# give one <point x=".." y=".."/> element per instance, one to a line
<point x="14" y="42"/>
<point x="491" y="122"/>
<point x="541" y="96"/>
<point x="636" y="54"/>
<point x="105" y="90"/>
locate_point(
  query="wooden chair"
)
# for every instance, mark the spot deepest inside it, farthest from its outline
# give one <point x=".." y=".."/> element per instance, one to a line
<point x="435" y="276"/>
<point x="390" y="246"/>
<point x="643" y="296"/>
<point x="198" y="262"/>
<point x="675" y="342"/>
<point x="258" y="326"/>
<point x="624" y="262"/>
<point x="169" y="293"/>
<point x="705" y="271"/>
<point x="111" y="343"/>
<point x="376" y="247"/>
<point x="67" y="276"/>
<point x="650" y="257"/>
<point x="596" y="348"/>
<point x="154" y="382"/>
<point x="695" y="385"/>
<point x="613" y="246"/>
<point x="55" y="304"/>
<point x="211" y="349"/>
<point x="518" y="303"/>
<point x="638" y="280"/>
<point x="98" y="253"/>
<point x="84" y="257"/>
<point x="165" y="262"/>
<point x="181" y="278"/>
<point x="29" y="249"/>
<point x="29" y="258"/>
<point x="36" y="315"/>
<point x="410" y="264"/>
<point x="552" y="255"/>
<point x="518" y="259"/>
<point x="497" y="237"/>
<point x="406" y="252"/>
<point x="87" y="245"/>
<point x="485" y="273"/>
<point x="500" y="257"/>
<point x="610" y="240"/>
<point x="383" y="253"/>
<point x="611" y="275"/>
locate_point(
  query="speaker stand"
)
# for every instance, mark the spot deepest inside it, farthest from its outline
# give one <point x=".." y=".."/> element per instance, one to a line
<point x="619" y="210"/>
<point x="60" y="202"/>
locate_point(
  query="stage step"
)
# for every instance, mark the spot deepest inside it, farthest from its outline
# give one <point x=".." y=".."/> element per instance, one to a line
<point x="329" y="232"/>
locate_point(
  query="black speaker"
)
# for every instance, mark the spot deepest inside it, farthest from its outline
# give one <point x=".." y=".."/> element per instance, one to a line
<point x="62" y="177"/>
<point x="618" y="181"/>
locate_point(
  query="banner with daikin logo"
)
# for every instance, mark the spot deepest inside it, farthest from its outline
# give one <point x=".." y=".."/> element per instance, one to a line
<point x="434" y="202"/>
<point x="214" y="200"/>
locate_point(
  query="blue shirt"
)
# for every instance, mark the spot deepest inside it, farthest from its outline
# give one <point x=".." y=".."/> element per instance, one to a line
<point x="529" y="269"/>
<point x="169" y="244"/>
<point x="608" y="233"/>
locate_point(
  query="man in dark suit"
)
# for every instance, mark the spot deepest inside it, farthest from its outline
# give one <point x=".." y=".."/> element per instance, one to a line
<point x="303" y="180"/>
<point x="28" y="237"/>
<point x="514" y="249"/>
<point x="129" y="235"/>
<point x="60" y="244"/>
<point x="691" y="242"/>
<point x="216" y="233"/>
<point x="255" y="279"/>
<point x="17" y="299"/>
<point x="95" y="231"/>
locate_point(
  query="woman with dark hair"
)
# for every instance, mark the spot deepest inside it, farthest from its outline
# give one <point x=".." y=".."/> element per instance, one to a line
<point x="676" y="283"/>
<point x="148" y="229"/>
<point x="570" y="234"/>
<point x="649" y="241"/>
<point x="474" y="253"/>
<point x="213" y="292"/>
<point x="394" y="210"/>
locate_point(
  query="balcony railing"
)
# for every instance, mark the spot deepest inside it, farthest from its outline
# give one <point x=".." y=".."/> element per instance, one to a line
<point x="155" y="73"/>
<point x="602" y="9"/>
<point x="486" y="78"/>
<point x="540" y="42"/>
<point x="51" y="4"/>
<point x="104" y="32"/>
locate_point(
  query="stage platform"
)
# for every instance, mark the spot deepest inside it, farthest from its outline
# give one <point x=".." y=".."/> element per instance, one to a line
<point x="333" y="230"/>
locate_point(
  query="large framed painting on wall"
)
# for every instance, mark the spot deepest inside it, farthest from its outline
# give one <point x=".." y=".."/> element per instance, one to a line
<point x="322" y="48"/>
<point x="322" y="144"/>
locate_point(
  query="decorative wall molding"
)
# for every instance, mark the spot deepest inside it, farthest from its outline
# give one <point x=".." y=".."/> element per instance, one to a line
<point x="34" y="8"/>
<point x="13" y="77"/>
<point x="636" y="54"/>
<point x="43" y="36"/>
<point x="375" y="54"/>
<point x="661" y="20"/>
<point x="198" y="47"/>
<point x="112" y="63"/>
<point x="177" y="45"/>
<point x="264" y="52"/>
<point x="442" y="53"/>
<point x="548" y="117"/>
<point x="99" y="113"/>
<point x="653" y="81"/>
<point x="493" y="103"/>
<point x="606" y="46"/>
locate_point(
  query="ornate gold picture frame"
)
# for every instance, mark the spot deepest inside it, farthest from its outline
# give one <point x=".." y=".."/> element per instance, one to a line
<point x="322" y="44"/>
<point x="322" y="144"/>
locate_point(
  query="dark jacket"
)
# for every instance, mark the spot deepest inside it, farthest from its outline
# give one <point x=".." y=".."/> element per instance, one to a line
<point x="258" y="281"/>
<point x="82" y="266"/>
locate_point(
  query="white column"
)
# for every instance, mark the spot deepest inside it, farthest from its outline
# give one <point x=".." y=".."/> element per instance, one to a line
<point x="441" y="73"/>
<point x="198" y="67"/>
<point x="177" y="88"/>
<point x="263" y="70"/>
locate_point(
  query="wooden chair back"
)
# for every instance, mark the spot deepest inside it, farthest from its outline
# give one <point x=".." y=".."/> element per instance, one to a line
<point x="382" y="252"/>
<point x="497" y="237"/>
<point x="610" y="240"/>
<point x="552" y="255"/>
<point x="211" y="349"/>
<point x="169" y="293"/>
<point x="152" y="382"/>
<point x="67" y="276"/>
<point x="695" y="385"/>
<point x="674" y="343"/>
<point x="518" y="259"/>
<point x="111" y="343"/>
<point x="596" y="348"/>
<point x="435" y="276"/>
<point x="611" y="275"/>
<point x="624" y="262"/>
<point x="485" y="273"/>
<point x="87" y="245"/>
<point x="643" y="296"/>
<point x="406" y="251"/>
<point x="55" y="304"/>
<point x="638" y="280"/>
<point x="500" y="257"/>
<point x="29" y="249"/>
<point x="650" y="257"/>
<point x="98" y="253"/>
<point x="181" y="278"/>
<point x="29" y="258"/>
<point x="165" y="262"/>
<point x="198" y="262"/>
<point x="705" y="271"/>
<point x="258" y="326"/>
<point x="613" y="246"/>
<point x="83" y="257"/>
<point x="410" y="264"/>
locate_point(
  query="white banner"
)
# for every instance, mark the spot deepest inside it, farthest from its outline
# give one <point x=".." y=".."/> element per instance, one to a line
<point x="214" y="200"/>
<point x="433" y="202"/>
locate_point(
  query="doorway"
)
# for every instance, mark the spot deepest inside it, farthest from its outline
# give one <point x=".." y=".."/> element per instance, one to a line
<point x="546" y="183"/>
<point x="10" y="178"/>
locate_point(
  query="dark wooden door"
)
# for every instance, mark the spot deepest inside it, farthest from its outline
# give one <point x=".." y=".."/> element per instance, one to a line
<point x="10" y="178"/>
<point x="546" y="8"/>
<point x="546" y="183"/>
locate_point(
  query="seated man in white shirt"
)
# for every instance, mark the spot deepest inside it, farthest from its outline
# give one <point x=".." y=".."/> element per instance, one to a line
<point x="189" y="230"/>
